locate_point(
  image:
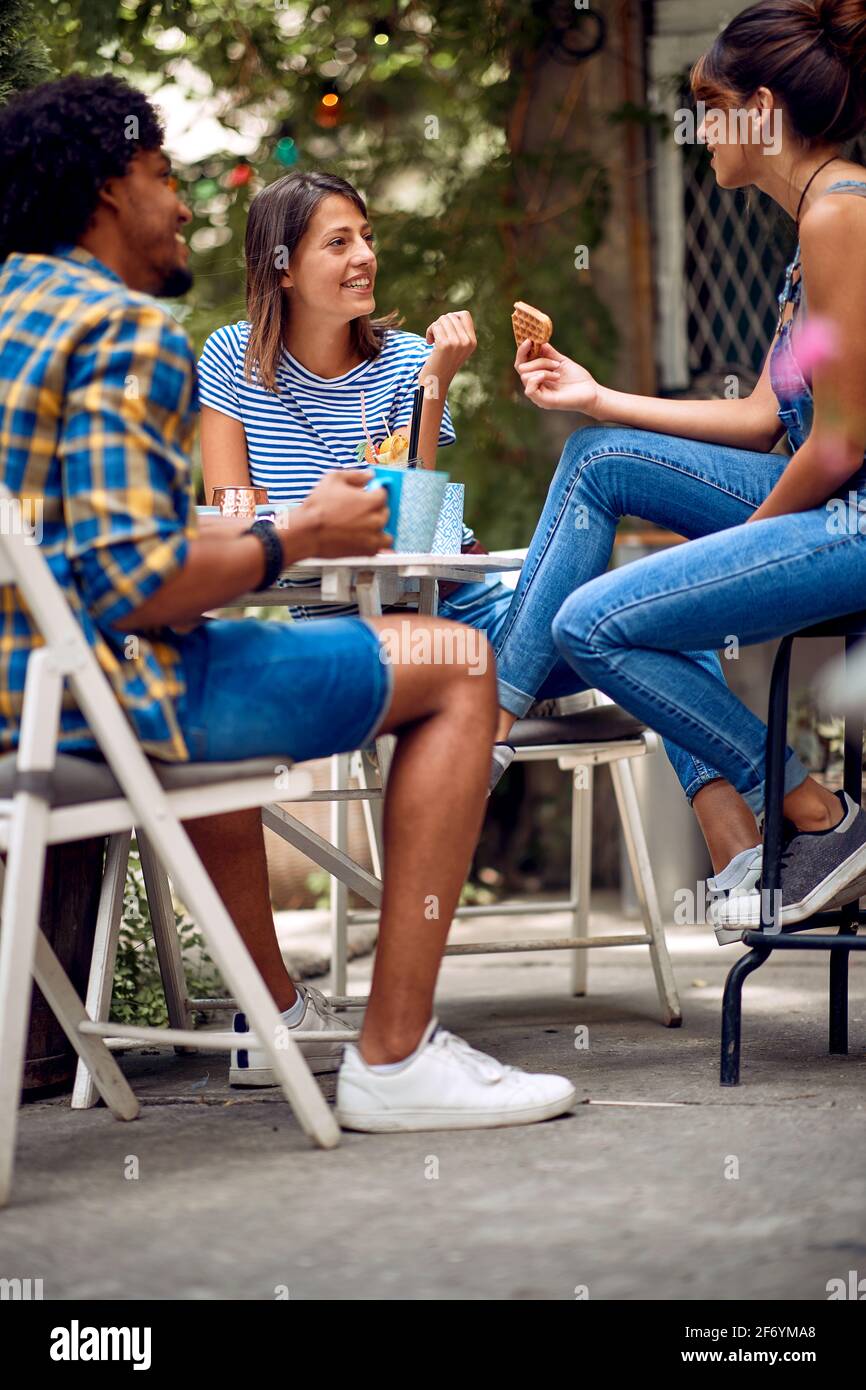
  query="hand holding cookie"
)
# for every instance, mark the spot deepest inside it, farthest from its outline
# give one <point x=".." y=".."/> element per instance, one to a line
<point x="554" y="382"/>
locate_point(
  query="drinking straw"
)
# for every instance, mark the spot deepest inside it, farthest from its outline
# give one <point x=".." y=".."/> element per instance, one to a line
<point x="415" y="427"/>
<point x="364" y="427"/>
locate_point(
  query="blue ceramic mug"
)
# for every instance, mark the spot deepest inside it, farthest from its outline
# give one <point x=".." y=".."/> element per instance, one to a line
<point x="391" y="479"/>
<point x="414" y="500"/>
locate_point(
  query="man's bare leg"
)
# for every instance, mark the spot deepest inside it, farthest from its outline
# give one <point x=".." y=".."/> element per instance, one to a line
<point x="444" y="718"/>
<point x="437" y="793"/>
<point x="232" y="849"/>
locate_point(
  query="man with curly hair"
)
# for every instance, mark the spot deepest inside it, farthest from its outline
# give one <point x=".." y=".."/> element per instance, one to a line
<point x="97" y="413"/>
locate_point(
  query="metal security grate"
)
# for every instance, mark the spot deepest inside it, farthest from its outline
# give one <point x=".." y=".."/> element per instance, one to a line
<point x="736" y="250"/>
<point x="735" y="257"/>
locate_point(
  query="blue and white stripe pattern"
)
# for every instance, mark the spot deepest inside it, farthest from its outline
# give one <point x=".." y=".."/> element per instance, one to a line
<point x="312" y="424"/>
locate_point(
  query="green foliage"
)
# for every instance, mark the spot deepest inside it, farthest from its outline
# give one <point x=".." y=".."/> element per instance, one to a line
<point x="24" y="58"/>
<point x="138" y="995"/>
<point x="430" y="129"/>
<point x="475" y="895"/>
<point x="318" y="885"/>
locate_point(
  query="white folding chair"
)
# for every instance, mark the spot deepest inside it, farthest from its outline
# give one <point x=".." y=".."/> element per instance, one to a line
<point x="51" y="798"/>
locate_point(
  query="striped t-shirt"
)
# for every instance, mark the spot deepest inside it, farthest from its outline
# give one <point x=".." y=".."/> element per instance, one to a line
<point x="312" y="424"/>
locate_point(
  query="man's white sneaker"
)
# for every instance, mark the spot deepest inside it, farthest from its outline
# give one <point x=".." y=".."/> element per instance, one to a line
<point x="250" y="1067"/>
<point x="445" y="1084"/>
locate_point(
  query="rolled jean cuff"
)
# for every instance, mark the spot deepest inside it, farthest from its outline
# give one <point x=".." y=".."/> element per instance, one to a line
<point x="795" y="774"/>
<point x="516" y="701"/>
<point x="703" y="777"/>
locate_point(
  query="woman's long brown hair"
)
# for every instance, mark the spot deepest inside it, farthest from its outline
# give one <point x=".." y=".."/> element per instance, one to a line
<point x="279" y="216"/>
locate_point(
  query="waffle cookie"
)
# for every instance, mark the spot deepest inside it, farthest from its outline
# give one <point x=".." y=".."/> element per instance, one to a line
<point x="531" y="323"/>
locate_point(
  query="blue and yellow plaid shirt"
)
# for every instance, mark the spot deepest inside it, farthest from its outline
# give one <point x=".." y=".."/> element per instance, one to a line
<point x="97" y="414"/>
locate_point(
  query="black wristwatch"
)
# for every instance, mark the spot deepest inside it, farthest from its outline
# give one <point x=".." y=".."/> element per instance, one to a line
<point x="274" y="562"/>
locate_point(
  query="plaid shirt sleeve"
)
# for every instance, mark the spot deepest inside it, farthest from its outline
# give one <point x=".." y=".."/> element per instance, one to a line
<point x="124" y="449"/>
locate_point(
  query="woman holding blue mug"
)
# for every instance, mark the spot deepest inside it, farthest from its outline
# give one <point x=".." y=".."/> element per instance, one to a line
<point x="766" y="554"/>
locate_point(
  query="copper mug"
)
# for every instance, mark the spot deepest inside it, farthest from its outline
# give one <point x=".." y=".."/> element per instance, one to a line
<point x="239" y="501"/>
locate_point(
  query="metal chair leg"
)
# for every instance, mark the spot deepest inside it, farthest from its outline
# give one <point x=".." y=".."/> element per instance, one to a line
<point x="580" y="890"/>
<point x="339" y="890"/>
<point x="165" y="937"/>
<point x="774" y="778"/>
<point x="838" y="1021"/>
<point x="732" y="1013"/>
<point x="641" y="868"/>
<point x="100" y="983"/>
<point x="367" y="776"/>
<point x="774" y="783"/>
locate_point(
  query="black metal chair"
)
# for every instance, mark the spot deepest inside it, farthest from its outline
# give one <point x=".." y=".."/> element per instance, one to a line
<point x="848" y="918"/>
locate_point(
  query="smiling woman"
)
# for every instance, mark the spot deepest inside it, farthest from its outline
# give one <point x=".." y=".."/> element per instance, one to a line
<point x="311" y="378"/>
<point x="340" y="240"/>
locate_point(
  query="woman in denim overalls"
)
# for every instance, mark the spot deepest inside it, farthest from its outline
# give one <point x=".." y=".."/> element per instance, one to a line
<point x="775" y="543"/>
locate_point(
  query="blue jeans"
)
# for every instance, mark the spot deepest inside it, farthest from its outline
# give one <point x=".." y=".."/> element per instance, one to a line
<point x="293" y="690"/>
<point x="642" y="633"/>
<point x="486" y="606"/>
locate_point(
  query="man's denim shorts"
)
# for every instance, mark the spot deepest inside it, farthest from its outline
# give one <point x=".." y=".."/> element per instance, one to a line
<point x="300" y="690"/>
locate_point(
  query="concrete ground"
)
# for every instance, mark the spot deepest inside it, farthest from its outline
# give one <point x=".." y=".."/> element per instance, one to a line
<point x="660" y="1185"/>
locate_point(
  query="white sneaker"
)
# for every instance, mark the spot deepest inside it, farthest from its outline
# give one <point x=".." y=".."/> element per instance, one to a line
<point x="723" y="909"/>
<point x="445" y="1085"/>
<point x="250" y="1067"/>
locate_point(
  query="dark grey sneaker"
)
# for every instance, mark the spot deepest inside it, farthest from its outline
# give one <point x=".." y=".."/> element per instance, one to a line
<point x="820" y="869"/>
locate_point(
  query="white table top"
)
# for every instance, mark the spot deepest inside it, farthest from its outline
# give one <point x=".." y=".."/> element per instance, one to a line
<point x="334" y="580"/>
<point x="405" y="564"/>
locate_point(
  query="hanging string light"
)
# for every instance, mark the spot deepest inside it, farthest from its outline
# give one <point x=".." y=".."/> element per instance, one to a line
<point x="329" y="112"/>
<point x="239" y="175"/>
<point x="286" y="151"/>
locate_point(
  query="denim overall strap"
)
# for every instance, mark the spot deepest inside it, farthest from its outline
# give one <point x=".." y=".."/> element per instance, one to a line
<point x="793" y="292"/>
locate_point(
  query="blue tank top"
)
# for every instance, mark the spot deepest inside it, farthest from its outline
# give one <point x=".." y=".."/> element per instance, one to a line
<point x="792" y="388"/>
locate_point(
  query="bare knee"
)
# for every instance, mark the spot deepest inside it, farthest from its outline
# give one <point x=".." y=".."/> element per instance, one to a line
<point x="438" y="664"/>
